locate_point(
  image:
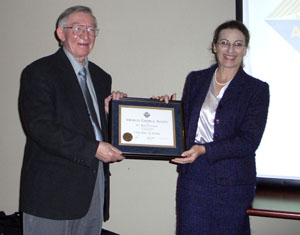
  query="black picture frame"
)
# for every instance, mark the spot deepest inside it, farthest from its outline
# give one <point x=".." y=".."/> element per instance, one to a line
<point x="145" y="151"/>
<point x="239" y="10"/>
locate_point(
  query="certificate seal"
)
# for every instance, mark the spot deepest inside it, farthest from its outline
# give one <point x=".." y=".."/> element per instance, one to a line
<point x="127" y="136"/>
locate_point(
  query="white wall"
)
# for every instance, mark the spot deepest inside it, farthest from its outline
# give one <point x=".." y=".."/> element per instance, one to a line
<point x="148" y="47"/>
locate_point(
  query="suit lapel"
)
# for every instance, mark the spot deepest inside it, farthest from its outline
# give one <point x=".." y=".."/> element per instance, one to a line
<point x="234" y="90"/>
<point x="98" y="87"/>
<point x="201" y="91"/>
<point x="73" y="90"/>
<point x="201" y="88"/>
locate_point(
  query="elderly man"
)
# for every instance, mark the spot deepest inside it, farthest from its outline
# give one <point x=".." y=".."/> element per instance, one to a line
<point x="64" y="100"/>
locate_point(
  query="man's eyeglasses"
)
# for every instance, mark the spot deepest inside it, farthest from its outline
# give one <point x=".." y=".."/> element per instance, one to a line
<point x="79" y="29"/>
<point x="237" y="45"/>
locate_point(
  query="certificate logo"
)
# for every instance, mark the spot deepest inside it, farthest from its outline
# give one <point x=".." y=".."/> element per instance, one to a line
<point x="146" y="114"/>
<point x="127" y="136"/>
<point x="285" y="20"/>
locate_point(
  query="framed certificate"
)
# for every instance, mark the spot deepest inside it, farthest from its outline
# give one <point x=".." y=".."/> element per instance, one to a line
<point x="147" y="128"/>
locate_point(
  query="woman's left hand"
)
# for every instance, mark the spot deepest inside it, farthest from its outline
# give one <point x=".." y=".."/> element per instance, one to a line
<point x="165" y="98"/>
<point x="190" y="155"/>
<point x="115" y="95"/>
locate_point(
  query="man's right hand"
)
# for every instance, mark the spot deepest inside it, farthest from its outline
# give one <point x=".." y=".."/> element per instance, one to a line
<point x="108" y="153"/>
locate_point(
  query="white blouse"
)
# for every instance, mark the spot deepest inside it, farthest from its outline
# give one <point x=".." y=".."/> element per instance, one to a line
<point x="205" y="129"/>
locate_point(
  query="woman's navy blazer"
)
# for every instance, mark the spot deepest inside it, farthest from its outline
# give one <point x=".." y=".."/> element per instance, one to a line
<point x="239" y="125"/>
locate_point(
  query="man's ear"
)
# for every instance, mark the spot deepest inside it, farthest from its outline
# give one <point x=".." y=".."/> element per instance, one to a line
<point x="60" y="34"/>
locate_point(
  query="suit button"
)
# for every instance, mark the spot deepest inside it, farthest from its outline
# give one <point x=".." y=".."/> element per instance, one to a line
<point x="216" y="136"/>
<point x="220" y="107"/>
<point x="217" y="121"/>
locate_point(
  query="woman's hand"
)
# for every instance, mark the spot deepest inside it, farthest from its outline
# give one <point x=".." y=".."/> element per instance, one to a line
<point x="191" y="155"/>
<point x="115" y="95"/>
<point x="165" y="98"/>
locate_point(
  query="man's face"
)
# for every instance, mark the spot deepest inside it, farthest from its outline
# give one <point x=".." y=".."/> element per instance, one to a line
<point x="78" y="45"/>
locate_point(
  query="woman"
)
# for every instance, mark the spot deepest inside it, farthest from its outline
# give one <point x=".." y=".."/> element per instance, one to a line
<point x="225" y="116"/>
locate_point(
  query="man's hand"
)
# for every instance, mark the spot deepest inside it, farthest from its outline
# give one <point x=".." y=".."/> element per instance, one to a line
<point x="165" y="98"/>
<point x="108" y="153"/>
<point x="115" y="95"/>
<point x="191" y="155"/>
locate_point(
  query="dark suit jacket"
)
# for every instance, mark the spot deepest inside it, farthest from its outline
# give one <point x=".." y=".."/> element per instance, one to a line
<point x="59" y="168"/>
<point x="239" y="125"/>
<point x="214" y="192"/>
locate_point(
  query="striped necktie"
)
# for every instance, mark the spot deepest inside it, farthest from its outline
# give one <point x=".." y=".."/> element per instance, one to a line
<point x="89" y="104"/>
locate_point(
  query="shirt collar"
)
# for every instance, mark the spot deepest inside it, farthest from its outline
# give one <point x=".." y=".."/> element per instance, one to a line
<point x="75" y="64"/>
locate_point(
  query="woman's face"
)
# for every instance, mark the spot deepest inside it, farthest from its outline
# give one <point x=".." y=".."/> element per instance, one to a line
<point x="230" y="48"/>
